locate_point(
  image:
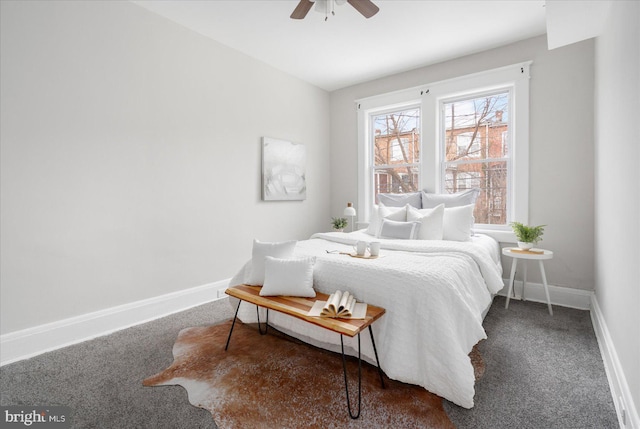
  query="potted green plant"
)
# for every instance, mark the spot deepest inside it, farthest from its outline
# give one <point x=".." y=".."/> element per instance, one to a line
<point x="339" y="223"/>
<point x="527" y="235"/>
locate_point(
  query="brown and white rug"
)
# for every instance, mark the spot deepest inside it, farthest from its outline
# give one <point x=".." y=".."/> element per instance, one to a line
<point x="275" y="381"/>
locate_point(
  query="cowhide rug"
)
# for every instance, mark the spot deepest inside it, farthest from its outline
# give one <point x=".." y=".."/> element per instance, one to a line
<point x="275" y="381"/>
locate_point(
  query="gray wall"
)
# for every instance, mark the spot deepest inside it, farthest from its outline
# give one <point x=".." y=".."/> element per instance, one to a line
<point x="561" y="145"/>
<point x="131" y="157"/>
<point x="617" y="184"/>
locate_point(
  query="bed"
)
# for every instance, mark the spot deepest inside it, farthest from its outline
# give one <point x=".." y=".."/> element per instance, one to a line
<point x="436" y="294"/>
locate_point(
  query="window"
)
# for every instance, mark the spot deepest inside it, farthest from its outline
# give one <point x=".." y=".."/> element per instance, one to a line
<point x="473" y="151"/>
<point x="467" y="132"/>
<point x="395" y="146"/>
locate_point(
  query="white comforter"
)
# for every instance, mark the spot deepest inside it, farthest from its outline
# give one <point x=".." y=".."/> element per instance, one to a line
<point x="435" y="294"/>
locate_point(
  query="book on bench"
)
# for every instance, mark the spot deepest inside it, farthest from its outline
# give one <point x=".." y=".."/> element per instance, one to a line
<point x="340" y="305"/>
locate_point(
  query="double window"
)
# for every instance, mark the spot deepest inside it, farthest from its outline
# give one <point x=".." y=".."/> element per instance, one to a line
<point x="468" y="132"/>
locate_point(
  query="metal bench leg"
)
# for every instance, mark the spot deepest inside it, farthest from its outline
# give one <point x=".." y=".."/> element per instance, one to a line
<point x="376" y="353"/>
<point x="232" y="325"/>
<point x="266" y="325"/>
<point x="346" y="385"/>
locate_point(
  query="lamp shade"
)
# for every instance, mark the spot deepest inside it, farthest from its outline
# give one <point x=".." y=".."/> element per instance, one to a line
<point x="349" y="210"/>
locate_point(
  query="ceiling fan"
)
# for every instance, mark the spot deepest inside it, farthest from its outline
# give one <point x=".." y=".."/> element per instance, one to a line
<point x="365" y="7"/>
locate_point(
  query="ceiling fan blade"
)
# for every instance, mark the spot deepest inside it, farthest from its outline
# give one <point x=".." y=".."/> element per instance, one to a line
<point x="302" y="9"/>
<point x="365" y="7"/>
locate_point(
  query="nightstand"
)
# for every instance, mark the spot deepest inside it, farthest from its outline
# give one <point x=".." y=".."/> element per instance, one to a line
<point x="539" y="255"/>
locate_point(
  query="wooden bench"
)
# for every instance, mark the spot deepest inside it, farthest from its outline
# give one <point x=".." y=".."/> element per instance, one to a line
<point x="299" y="308"/>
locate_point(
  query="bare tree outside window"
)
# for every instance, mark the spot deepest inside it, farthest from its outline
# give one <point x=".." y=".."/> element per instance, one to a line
<point x="396" y="152"/>
<point x="476" y="152"/>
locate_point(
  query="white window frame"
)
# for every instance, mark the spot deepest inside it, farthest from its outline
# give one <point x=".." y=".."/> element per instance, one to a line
<point x="429" y="97"/>
<point x="509" y="161"/>
<point x="379" y="105"/>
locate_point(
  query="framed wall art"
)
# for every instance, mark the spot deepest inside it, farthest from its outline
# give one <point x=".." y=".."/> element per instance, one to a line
<point x="283" y="170"/>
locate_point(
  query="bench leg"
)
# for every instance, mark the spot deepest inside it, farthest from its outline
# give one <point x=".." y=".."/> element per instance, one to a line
<point x="232" y="325"/>
<point x="346" y="385"/>
<point x="259" y="328"/>
<point x="376" y="353"/>
<point x="266" y="325"/>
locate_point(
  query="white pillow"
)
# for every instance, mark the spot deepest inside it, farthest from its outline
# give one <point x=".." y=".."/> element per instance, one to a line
<point x="457" y="223"/>
<point x="382" y="212"/>
<point x="413" y="199"/>
<point x="401" y="230"/>
<point x="458" y="199"/>
<point x="260" y="251"/>
<point x="431" y="222"/>
<point x="288" y="277"/>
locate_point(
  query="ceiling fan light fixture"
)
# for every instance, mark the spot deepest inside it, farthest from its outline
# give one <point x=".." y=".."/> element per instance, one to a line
<point x="325" y="6"/>
<point x="365" y="7"/>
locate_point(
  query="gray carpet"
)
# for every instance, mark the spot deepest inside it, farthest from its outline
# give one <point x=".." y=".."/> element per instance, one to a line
<point x="101" y="379"/>
<point x="541" y="372"/>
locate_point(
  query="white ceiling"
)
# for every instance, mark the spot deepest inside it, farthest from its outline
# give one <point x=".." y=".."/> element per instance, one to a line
<point x="347" y="48"/>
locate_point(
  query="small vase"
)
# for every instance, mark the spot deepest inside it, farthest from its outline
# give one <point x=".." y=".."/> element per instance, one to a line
<point x="338" y="229"/>
<point x="525" y="246"/>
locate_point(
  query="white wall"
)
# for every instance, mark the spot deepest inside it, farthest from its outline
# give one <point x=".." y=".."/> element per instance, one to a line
<point x="131" y="158"/>
<point x="561" y="145"/>
<point x="617" y="184"/>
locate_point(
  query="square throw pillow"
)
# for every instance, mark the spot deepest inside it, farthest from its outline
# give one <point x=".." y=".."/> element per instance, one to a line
<point x="288" y="277"/>
<point x="431" y="221"/>
<point x="414" y="199"/>
<point x="260" y="251"/>
<point x="382" y="212"/>
<point x="457" y="223"/>
<point x="463" y="198"/>
<point x="399" y="230"/>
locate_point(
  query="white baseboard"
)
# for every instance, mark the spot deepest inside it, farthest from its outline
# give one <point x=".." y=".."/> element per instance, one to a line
<point x="30" y="342"/>
<point x="622" y="399"/>
<point x="562" y="296"/>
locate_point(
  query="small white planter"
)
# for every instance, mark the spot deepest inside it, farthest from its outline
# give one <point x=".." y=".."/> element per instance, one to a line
<point x="524" y="245"/>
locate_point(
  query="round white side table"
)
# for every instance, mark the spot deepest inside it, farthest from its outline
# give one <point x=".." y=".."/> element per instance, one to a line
<point x="539" y="255"/>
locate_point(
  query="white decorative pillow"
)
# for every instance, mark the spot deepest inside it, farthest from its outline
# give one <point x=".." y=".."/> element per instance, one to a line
<point x="413" y="199"/>
<point x="401" y="230"/>
<point x="288" y="277"/>
<point x="463" y="198"/>
<point x="457" y="223"/>
<point x="260" y="251"/>
<point x="382" y="212"/>
<point x="431" y="220"/>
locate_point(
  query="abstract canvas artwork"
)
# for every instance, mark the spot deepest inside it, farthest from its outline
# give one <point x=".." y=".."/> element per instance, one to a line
<point x="283" y="170"/>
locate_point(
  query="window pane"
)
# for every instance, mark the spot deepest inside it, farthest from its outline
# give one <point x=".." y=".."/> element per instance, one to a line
<point x="491" y="178"/>
<point x="396" y="151"/>
<point x="395" y="180"/>
<point x="397" y="137"/>
<point x="476" y="152"/>
<point x="476" y="128"/>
